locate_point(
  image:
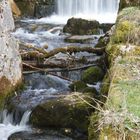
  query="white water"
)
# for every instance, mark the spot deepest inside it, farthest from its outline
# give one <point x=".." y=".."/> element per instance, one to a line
<point x="7" y="126"/>
<point x="86" y="7"/>
<point x="101" y="10"/>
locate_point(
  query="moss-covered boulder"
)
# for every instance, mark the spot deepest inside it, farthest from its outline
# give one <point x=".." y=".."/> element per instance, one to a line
<point x="78" y="26"/>
<point x="69" y="111"/>
<point x="92" y="75"/>
<point x="78" y="86"/>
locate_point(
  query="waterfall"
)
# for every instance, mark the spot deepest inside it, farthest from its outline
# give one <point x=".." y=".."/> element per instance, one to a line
<point x="105" y="11"/>
<point x="86" y="7"/>
<point x="8" y="127"/>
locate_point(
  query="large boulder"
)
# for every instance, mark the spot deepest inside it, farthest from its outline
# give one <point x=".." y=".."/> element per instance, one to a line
<point x="67" y="111"/>
<point x="78" y="26"/>
<point x="10" y="60"/>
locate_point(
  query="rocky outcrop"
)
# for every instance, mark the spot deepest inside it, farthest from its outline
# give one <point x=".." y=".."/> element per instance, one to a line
<point x="37" y="8"/>
<point x="10" y="60"/>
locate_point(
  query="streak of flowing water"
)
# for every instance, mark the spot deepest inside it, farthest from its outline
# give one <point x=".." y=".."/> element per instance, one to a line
<point x="8" y="127"/>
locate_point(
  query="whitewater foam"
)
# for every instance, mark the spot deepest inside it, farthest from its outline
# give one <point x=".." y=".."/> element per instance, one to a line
<point x="7" y="126"/>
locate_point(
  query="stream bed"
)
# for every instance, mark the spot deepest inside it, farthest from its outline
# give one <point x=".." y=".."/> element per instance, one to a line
<point x="41" y="87"/>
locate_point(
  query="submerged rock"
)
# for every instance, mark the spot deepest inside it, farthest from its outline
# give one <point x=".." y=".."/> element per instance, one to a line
<point x="92" y="75"/>
<point x="78" y="26"/>
<point x="67" y="111"/>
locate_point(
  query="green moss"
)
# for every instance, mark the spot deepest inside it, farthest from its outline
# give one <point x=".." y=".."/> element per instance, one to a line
<point x="92" y="75"/>
<point x="122" y="32"/>
<point x="78" y="86"/>
<point x="93" y="134"/>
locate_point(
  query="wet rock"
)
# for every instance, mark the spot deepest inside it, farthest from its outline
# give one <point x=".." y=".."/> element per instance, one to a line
<point x="78" y="26"/>
<point x="63" y="112"/>
<point x="106" y="27"/>
<point x="92" y="75"/>
<point x="103" y="41"/>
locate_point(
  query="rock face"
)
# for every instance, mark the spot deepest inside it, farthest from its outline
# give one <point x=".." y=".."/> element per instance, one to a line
<point x="78" y="26"/>
<point x="10" y="60"/>
<point x="38" y="8"/>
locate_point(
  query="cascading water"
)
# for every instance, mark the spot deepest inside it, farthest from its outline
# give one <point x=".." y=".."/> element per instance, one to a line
<point x="8" y="127"/>
<point x="101" y="10"/>
<point x="86" y="7"/>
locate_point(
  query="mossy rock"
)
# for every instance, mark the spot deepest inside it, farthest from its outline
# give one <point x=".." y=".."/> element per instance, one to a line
<point x="78" y="86"/>
<point x="63" y="112"/>
<point x="78" y="26"/>
<point x="92" y="75"/>
<point x="7" y="90"/>
<point x="103" y="41"/>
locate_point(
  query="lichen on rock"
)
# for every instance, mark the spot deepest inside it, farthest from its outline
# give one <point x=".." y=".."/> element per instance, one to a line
<point x="10" y="60"/>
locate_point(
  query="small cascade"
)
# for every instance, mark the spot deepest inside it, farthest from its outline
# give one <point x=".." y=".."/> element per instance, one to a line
<point x="8" y="125"/>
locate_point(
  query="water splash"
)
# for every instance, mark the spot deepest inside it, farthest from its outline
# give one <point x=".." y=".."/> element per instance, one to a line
<point x="8" y="127"/>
